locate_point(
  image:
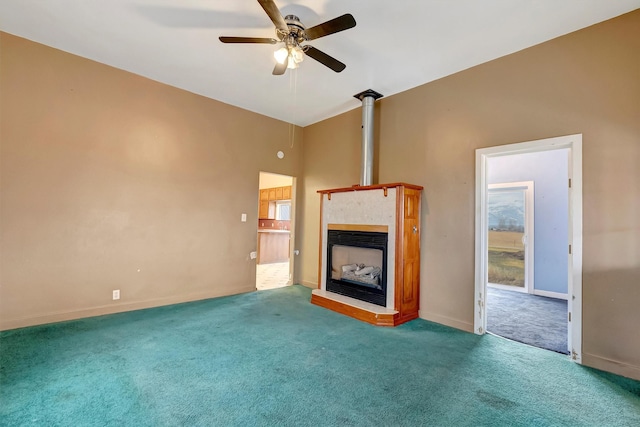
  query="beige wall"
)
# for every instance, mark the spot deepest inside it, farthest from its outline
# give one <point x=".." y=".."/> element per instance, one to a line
<point x="112" y="181"/>
<point x="586" y="82"/>
<point x="271" y="180"/>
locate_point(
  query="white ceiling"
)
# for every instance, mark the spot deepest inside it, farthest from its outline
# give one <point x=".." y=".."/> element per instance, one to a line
<point x="395" y="46"/>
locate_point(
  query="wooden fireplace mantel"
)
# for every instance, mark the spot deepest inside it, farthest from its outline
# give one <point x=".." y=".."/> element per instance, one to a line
<point x="406" y="271"/>
<point x="383" y="187"/>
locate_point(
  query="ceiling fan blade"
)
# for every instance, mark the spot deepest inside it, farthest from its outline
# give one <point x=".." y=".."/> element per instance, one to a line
<point x="279" y="69"/>
<point x="274" y="13"/>
<point x="325" y="59"/>
<point x="335" y="25"/>
<point x="247" y="40"/>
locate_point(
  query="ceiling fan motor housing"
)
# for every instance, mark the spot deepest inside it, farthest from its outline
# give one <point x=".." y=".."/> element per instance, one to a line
<point x="296" y="30"/>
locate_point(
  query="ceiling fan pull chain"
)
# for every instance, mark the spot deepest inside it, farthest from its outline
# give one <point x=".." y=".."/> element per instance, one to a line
<point x="293" y="81"/>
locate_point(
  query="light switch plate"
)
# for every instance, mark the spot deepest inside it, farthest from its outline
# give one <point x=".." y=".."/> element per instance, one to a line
<point x="243" y="217"/>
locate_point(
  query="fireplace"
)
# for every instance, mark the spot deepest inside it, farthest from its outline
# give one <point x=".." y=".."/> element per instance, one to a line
<point x="357" y="264"/>
<point x="369" y="252"/>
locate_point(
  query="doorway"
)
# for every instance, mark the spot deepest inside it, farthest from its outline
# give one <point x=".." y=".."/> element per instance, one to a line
<point x="571" y="256"/>
<point x="276" y="227"/>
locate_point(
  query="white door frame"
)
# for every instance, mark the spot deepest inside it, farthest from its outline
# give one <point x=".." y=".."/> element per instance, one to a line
<point x="528" y="235"/>
<point x="574" y="291"/>
<point x="292" y="229"/>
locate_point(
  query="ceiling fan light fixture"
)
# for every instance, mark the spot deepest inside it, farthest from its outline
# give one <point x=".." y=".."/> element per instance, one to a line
<point x="297" y="54"/>
<point x="292" y="63"/>
<point x="281" y="55"/>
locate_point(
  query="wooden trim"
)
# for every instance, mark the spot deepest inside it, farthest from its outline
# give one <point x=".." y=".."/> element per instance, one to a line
<point x="399" y="267"/>
<point x="371" y="187"/>
<point x="378" y="319"/>
<point x="359" y="227"/>
<point x="419" y="253"/>
<point x="320" y="238"/>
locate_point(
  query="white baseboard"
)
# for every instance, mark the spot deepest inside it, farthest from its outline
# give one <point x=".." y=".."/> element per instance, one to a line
<point x="549" y="294"/>
<point x="507" y="287"/>
<point x="447" y="321"/>
<point x="62" y="316"/>
<point x="609" y="365"/>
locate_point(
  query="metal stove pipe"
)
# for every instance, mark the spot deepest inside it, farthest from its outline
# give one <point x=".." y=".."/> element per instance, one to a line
<point x="368" y="98"/>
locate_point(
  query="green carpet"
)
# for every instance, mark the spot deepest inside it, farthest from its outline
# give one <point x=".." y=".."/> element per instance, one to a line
<point x="272" y="358"/>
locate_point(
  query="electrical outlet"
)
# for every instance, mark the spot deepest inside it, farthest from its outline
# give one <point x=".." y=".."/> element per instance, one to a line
<point x="116" y="294"/>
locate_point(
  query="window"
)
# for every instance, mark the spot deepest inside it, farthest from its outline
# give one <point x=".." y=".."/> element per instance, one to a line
<point x="283" y="210"/>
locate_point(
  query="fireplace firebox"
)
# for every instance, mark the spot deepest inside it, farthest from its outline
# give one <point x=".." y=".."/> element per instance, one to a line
<point x="356" y="265"/>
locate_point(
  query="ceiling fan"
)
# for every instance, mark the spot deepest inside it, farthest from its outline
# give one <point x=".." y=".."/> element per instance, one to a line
<point x="292" y="33"/>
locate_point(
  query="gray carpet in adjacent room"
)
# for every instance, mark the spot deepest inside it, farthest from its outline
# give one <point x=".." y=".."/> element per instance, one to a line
<point x="526" y="318"/>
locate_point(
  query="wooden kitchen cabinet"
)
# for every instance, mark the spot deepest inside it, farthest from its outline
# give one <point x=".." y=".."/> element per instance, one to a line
<point x="286" y="193"/>
<point x="276" y="193"/>
<point x="267" y="210"/>
<point x="264" y="209"/>
<point x="268" y="198"/>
